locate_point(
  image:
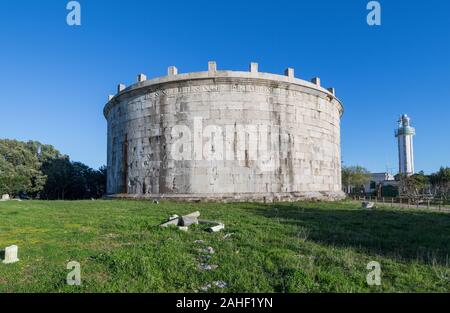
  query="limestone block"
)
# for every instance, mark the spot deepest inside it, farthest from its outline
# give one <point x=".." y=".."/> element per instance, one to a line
<point x="174" y="222"/>
<point x="120" y="87"/>
<point x="316" y="81"/>
<point x="188" y="220"/>
<point x="172" y="70"/>
<point x="11" y="254"/>
<point x="253" y="67"/>
<point x="368" y="205"/>
<point x="289" y="72"/>
<point x="212" y="66"/>
<point x="141" y="77"/>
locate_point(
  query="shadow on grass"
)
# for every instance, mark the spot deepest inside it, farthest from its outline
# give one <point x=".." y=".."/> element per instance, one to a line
<point x="2" y="255"/>
<point x="409" y="235"/>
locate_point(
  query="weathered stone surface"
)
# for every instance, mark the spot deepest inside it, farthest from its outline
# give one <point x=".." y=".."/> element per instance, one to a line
<point x="368" y="205"/>
<point x="209" y="250"/>
<point x="11" y="254"/>
<point x="216" y="228"/>
<point x="227" y="235"/>
<point x="5" y="197"/>
<point x="302" y="117"/>
<point x="316" y="81"/>
<point x="208" y="267"/>
<point x="173" y="222"/>
<point x="188" y="220"/>
<point x="193" y="214"/>
<point x="183" y="228"/>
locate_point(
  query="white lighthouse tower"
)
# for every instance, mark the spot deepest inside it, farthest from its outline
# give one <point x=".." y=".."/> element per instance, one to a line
<point x="405" y="134"/>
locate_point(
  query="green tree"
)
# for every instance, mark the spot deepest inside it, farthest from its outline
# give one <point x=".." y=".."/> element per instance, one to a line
<point x="20" y="164"/>
<point x="440" y="181"/>
<point x="412" y="185"/>
<point x="40" y="170"/>
<point x="354" y="177"/>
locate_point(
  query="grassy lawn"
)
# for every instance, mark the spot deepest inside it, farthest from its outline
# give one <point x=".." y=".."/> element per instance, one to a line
<point x="283" y="247"/>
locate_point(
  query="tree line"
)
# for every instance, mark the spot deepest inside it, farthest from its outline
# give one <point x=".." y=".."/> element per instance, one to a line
<point x="419" y="184"/>
<point x="35" y="170"/>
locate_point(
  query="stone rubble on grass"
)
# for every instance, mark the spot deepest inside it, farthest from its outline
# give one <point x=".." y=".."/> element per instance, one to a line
<point x="209" y="250"/>
<point x="228" y="235"/>
<point x="155" y="201"/>
<point x="215" y="226"/>
<point x="199" y="241"/>
<point x="218" y="283"/>
<point x="11" y="254"/>
<point x="205" y="257"/>
<point x="5" y="197"/>
<point x="191" y="219"/>
<point x="207" y="267"/>
<point x="188" y="220"/>
<point x="368" y="205"/>
<point x="170" y="222"/>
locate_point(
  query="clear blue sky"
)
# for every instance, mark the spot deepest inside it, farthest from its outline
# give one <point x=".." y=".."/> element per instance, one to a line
<point x="54" y="79"/>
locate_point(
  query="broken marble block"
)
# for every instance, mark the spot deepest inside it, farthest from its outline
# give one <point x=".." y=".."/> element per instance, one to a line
<point x="216" y="228"/>
<point x="11" y="254"/>
<point x="208" y="267"/>
<point x="193" y="214"/>
<point x="188" y="220"/>
<point x="173" y="222"/>
<point x="368" y="205"/>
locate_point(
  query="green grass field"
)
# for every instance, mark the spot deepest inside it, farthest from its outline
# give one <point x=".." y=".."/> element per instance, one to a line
<point x="282" y="247"/>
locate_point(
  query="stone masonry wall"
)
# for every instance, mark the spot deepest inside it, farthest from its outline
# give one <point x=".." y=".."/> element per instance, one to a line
<point x="220" y="134"/>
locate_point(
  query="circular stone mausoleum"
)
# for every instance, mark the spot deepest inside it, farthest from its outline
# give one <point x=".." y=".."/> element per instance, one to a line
<point x="224" y="136"/>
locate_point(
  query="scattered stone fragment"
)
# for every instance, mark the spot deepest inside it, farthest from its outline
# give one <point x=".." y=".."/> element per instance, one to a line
<point x="216" y="228"/>
<point x="172" y="217"/>
<point x="368" y="205"/>
<point x="228" y="235"/>
<point x="11" y="254"/>
<point x="205" y="257"/>
<point x="155" y="201"/>
<point x="199" y="241"/>
<point x="183" y="228"/>
<point x="170" y="222"/>
<point x="208" y="222"/>
<point x="208" y="267"/>
<point x="209" y="250"/>
<point x="188" y="220"/>
<point x="193" y="214"/>
<point x="206" y="287"/>
<point x="220" y="284"/>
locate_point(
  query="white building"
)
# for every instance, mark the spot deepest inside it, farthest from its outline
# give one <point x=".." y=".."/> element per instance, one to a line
<point x="405" y="134"/>
<point x="382" y="179"/>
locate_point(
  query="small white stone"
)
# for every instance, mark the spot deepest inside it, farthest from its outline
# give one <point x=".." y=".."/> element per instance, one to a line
<point x="11" y="254"/>
<point x="289" y="72"/>
<point x="120" y="87"/>
<point x="172" y="70"/>
<point x="212" y="66"/>
<point x="254" y="67"/>
<point x="316" y="81"/>
<point x="141" y="77"/>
